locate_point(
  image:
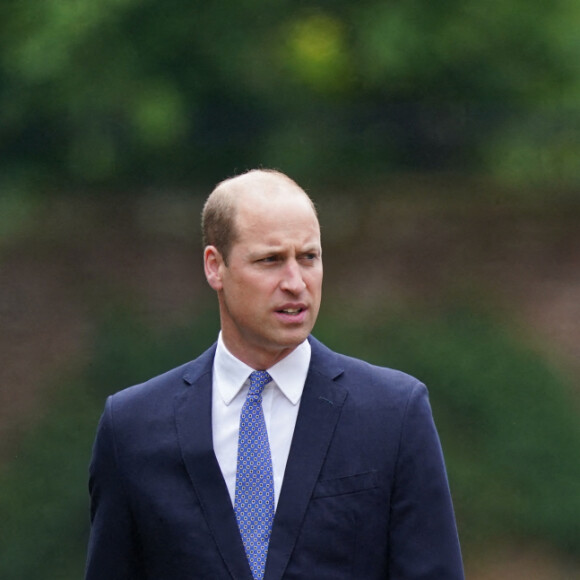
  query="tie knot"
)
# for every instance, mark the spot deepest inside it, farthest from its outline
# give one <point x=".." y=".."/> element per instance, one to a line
<point x="258" y="380"/>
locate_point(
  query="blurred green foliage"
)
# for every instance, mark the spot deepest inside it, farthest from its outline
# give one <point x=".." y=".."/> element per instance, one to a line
<point x="126" y="92"/>
<point x="509" y="431"/>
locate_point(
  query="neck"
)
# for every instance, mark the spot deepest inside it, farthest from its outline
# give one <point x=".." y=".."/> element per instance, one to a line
<point x="258" y="359"/>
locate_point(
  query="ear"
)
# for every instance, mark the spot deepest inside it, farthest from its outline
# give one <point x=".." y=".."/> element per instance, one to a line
<point x="213" y="265"/>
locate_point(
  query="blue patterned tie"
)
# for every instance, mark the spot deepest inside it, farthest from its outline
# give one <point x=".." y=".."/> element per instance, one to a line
<point x="254" y="501"/>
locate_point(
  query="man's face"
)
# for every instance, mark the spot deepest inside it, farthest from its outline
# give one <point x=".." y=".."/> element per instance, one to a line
<point x="270" y="290"/>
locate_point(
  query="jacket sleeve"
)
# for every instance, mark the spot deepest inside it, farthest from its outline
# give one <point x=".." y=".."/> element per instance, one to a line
<point x="423" y="535"/>
<point x="113" y="552"/>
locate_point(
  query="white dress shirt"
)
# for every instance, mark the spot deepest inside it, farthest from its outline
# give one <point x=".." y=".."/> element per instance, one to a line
<point x="280" y="402"/>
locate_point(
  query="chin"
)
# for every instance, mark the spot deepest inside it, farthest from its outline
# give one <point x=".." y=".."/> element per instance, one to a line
<point x="294" y="340"/>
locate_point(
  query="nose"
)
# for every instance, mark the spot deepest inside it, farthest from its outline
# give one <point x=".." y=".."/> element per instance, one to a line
<point x="292" y="280"/>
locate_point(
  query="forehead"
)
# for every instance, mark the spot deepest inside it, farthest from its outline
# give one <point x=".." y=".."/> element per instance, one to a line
<point x="275" y="217"/>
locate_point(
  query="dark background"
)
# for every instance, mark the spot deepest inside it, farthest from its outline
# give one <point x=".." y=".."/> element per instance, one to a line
<point x="441" y="144"/>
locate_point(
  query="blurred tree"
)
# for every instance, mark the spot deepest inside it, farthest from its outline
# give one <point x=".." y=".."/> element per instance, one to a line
<point x="134" y="92"/>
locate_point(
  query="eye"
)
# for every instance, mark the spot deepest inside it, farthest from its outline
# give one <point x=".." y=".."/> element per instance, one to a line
<point x="268" y="259"/>
<point x="309" y="256"/>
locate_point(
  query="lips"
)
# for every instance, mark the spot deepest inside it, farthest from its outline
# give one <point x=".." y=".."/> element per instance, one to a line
<point x="292" y="312"/>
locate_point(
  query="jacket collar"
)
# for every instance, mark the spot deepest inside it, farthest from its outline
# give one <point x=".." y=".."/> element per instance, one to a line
<point x="320" y="409"/>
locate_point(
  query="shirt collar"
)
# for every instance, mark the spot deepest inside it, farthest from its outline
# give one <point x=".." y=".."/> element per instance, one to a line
<point x="289" y="374"/>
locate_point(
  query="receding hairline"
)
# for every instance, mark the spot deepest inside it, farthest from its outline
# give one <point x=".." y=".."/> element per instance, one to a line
<point x="220" y="209"/>
<point x="271" y="181"/>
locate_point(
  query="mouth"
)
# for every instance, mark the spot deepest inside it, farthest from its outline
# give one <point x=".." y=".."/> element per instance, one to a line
<point x="291" y="311"/>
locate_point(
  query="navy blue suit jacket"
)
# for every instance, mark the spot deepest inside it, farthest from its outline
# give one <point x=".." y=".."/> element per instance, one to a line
<point x="365" y="493"/>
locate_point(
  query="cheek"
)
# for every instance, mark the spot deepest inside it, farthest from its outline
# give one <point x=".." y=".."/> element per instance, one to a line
<point x="250" y="290"/>
<point x="314" y="281"/>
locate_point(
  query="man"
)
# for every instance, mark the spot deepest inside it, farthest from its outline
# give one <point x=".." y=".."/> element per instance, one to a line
<point x="270" y="456"/>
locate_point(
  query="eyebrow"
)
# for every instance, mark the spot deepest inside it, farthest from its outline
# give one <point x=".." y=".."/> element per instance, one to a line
<point x="312" y="250"/>
<point x="265" y="249"/>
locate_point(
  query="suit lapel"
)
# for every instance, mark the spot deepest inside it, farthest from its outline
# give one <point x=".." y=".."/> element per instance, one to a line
<point x="320" y="408"/>
<point x="193" y="421"/>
